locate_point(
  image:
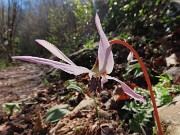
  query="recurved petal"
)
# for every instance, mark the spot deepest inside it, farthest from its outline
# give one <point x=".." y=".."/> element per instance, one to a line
<point x="128" y="90"/>
<point x="54" y="50"/>
<point x="71" y="69"/>
<point x="105" y="55"/>
<point x="130" y="57"/>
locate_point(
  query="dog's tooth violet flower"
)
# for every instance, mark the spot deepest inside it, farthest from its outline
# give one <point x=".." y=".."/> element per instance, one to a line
<point x="99" y="74"/>
<point x="130" y="57"/>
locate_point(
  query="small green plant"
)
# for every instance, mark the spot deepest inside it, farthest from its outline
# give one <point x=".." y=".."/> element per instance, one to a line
<point x="74" y="85"/>
<point x="11" y="108"/>
<point x="45" y="81"/>
<point x="78" y="128"/>
<point x="134" y="69"/>
<point x="2" y="64"/>
<point x="90" y="44"/>
<point x="139" y="114"/>
<point x="164" y="89"/>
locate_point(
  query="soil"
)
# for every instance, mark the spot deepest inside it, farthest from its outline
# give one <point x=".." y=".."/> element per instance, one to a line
<point x="21" y="84"/>
<point x="18" y="82"/>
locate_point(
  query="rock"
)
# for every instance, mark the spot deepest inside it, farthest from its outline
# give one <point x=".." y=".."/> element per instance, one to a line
<point x="104" y="114"/>
<point x="109" y="104"/>
<point x="173" y="130"/>
<point x="105" y="96"/>
<point x="106" y="130"/>
<point x="177" y="98"/>
<point x="174" y="72"/>
<point x="42" y="93"/>
<point x="169" y="115"/>
<point x="86" y="104"/>
<point x="173" y="59"/>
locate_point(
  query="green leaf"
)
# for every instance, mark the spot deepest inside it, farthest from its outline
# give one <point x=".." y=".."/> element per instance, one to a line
<point x="75" y="87"/>
<point x="56" y="112"/>
<point x="10" y="106"/>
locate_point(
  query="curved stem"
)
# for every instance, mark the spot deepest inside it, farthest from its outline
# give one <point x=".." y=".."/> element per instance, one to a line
<point x="146" y="77"/>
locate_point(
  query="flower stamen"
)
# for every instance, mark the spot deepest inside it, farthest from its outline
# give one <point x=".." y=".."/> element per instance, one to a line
<point x="95" y="85"/>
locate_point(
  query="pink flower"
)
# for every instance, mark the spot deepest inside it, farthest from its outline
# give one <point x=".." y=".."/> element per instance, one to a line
<point x="130" y="57"/>
<point x="99" y="74"/>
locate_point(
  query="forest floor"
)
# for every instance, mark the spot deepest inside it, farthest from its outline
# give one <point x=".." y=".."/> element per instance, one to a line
<point x="21" y="84"/>
<point x="18" y="82"/>
<point x="24" y="85"/>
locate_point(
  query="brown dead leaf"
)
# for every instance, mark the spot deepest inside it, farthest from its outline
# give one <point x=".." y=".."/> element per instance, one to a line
<point x="38" y="123"/>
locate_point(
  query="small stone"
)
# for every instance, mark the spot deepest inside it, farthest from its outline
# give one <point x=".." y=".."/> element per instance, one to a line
<point x="174" y="72"/>
<point x="41" y="99"/>
<point x="104" y="114"/>
<point x="173" y="59"/>
<point x="105" y="95"/>
<point x="86" y="104"/>
<point x="169" y="115"/>
<point x="110" y="104"/>
<point x="173" y="130"/>
<point x="42" y="93"/>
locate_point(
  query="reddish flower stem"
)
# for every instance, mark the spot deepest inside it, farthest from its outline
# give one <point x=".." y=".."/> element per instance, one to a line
<point x="146" y="77"/>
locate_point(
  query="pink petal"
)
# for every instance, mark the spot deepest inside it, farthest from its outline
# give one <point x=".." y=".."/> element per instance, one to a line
<point x="105" y="55"/>
<point x="130" y="57"/>
<point x="71" y="69"/>
<point x="128" y="90"/>
<point x="54" y="50"/>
